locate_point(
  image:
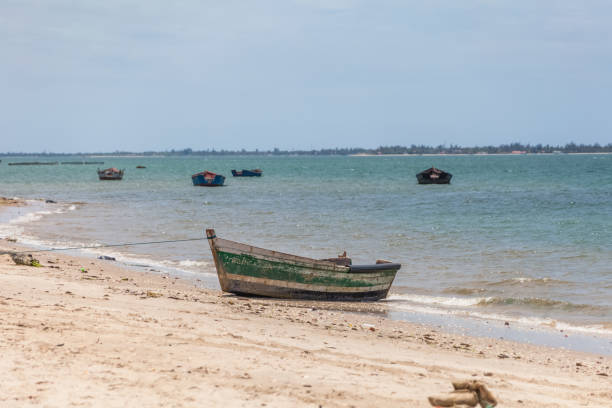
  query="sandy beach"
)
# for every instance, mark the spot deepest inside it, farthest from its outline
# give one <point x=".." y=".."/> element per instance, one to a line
<point x="85" y="332"/>
<point x="438" y="173"/>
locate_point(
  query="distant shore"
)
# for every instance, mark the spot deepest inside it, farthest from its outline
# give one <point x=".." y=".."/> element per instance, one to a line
<point x="470" y="154"/>
<point x="156" y="156"/>
<point x="412" y="150"/>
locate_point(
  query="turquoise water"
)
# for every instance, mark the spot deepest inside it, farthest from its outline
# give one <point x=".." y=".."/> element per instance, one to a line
<point x="525" y="239"/>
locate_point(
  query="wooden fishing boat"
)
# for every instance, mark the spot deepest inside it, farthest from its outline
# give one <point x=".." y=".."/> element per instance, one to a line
<point x="111" y="173"/>
<point x="207" y="179"/>
<point x="248" y="270"/>
<point x="141" y="167"/>
<point x="434" y="176"/>
<point x="247" y="173"/>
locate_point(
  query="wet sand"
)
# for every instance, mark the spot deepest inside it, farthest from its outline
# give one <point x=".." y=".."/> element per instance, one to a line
<point x="84" y="332"/>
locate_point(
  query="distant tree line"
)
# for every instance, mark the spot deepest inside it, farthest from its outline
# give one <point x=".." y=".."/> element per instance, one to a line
<point x="501" y="149"/>
<point x="412" y="149"/>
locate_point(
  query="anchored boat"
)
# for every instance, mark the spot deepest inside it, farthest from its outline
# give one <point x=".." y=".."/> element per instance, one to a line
<point x="110" y="174"/>
<point x="247" y="173"/>
<point x="248" y="270"/>
<point x="207" y="179"/>
<point x="434" y="176"/>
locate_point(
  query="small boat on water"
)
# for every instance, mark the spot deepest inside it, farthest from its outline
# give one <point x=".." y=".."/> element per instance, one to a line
<point x="248" y="270"/>
<point x="141" y="167"/>
<point x="434" y="176"/>
<point x="207" y="179"/>
<point x="247" y="173"/>
<point x="111" y="173"/>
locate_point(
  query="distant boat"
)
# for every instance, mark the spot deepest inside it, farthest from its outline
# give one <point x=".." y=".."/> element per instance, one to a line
<point x="207" y="179"/>
<point x="141" y="167"/>
<point x="434" y="176"/>
<point x="110" y="174"/>
<point x="247" y="173"/>
<point x="248" y="270"/>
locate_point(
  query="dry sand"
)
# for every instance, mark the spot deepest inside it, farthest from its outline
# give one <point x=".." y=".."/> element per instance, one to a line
<point x="111" y="337"/>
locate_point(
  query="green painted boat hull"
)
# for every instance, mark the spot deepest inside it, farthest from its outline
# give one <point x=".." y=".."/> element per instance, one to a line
<point x="248" y="270"/>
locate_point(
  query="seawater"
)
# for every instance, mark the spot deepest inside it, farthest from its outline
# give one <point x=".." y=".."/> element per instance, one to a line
<point x="520" y="238"/>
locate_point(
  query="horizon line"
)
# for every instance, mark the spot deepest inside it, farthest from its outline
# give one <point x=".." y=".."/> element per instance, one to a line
<point x="381" y="150"/>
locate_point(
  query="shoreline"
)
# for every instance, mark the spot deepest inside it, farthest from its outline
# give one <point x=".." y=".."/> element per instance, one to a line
<point x="569" y="336"/>
<point x="86" y="331"/>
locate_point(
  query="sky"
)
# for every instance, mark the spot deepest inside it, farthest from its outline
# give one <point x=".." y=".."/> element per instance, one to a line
<point x="107" y="75"/>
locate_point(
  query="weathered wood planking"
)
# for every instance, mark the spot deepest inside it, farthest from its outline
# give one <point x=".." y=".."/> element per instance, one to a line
<point x="248" y="270"/>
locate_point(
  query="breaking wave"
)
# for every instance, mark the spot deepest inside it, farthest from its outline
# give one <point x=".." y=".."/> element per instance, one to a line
<point x="438" y="300"/>
<point x="530" y="281"/>
<point x="185" y="266"/>
<point x="190" y="263"/>
<point x="525" y="321"/>
<point x="468" y="302"/>
<point x="464" y="291"/>
<point x="537" y="302"/>
<point x="13" y="227"/>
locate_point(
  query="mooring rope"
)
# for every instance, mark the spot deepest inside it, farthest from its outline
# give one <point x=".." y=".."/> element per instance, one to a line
<point x="110" y="245"/>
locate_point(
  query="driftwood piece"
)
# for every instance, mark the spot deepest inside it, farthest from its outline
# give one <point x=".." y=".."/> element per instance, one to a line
<point x="466" y="393"/>
<point x="452" y="399"/>
<point x="485" y="397"/>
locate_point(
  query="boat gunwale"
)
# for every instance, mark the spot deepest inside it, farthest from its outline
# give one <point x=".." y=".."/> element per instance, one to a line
<point x="369" y="268"/>
<point x="233" y="246"/>
<point x="302" y="261"/>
